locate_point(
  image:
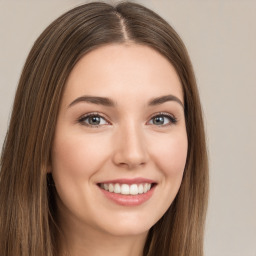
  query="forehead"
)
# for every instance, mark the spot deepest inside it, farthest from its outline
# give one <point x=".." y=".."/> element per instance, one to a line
<point x="123" y="70"/>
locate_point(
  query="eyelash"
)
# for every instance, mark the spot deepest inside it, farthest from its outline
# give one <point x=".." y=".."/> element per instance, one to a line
<point x="81" y="120"/>
<point x="173" y="119"/>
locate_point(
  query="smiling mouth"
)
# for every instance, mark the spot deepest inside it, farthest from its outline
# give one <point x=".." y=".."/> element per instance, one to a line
<point x="127" y="189"/>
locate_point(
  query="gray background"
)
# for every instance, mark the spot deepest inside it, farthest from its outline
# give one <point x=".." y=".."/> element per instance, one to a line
<point x="221" y="39"/>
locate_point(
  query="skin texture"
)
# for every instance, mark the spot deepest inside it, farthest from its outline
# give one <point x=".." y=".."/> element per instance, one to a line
<point x="126" y="144"/>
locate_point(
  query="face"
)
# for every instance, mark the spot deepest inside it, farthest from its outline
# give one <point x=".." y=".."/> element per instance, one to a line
<point x="120" y="143"/>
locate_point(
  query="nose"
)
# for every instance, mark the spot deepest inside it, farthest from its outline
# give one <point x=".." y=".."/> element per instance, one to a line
<point x="130" y="149"/>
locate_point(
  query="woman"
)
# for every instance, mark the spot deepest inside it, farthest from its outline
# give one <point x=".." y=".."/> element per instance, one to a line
<point x="105" y="153"/>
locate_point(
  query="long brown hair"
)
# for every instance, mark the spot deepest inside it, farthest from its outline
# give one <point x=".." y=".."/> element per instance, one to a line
<point x="27" y="207"/>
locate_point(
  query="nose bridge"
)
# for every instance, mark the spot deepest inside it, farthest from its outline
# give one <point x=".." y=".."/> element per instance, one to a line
<point x="130" y="149"/>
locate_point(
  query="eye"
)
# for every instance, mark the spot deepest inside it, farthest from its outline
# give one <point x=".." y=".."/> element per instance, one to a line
<point x="163" y="119"/>
<point x="93" y="120"/>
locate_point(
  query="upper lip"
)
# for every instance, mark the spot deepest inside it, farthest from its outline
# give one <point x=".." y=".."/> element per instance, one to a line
<point x="129" y="181"/>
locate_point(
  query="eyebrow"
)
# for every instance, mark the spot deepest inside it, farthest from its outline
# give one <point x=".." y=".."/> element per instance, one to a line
<point x="163" y="99"/>
<point x="95" y="100"/>
<point x="110" y="103"/>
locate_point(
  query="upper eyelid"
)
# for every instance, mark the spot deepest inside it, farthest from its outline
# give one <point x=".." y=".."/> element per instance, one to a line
<point x="93" y="114"/>
<point x="161" y="113"/>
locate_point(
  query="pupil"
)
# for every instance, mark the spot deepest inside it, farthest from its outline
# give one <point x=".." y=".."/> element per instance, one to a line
<point x="94" y="120"/>
<point x="159" y="120"/>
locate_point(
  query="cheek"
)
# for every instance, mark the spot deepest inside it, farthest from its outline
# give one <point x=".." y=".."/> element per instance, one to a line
<point x="76" y="158"/>
<point x="170" y="155"/>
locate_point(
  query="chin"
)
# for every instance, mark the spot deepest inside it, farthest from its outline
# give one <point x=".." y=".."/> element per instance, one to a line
<point x="129" y="225"/>
<point x="126" y="231"/>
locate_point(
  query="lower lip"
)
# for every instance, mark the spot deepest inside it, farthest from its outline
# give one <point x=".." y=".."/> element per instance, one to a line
<point x="129" y="200"/>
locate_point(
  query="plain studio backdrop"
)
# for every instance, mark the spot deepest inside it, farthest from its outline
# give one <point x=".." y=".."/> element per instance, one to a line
<point x="221" y="39"/>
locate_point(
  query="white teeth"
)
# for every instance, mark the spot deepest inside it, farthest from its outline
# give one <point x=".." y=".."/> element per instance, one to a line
<point x="145" y="188"/>
<point x="117" y="188"/>
<point x="134" y="189"/>
<point x="110" y="188"/>
<point x="125" y="189"/>
<point x="141" y="189"/>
